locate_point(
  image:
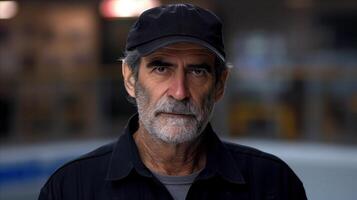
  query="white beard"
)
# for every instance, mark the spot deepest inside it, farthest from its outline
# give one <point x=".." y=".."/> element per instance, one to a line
<point x="172" y="129"/>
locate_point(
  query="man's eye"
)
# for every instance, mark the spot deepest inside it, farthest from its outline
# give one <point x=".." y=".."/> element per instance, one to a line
<point x="160" y="69"/>
<point x="199" y="72"/>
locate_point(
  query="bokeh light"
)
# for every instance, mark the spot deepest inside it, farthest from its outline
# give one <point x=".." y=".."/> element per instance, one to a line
<point x="125" y="8"/>
<point x="8" y="9"/>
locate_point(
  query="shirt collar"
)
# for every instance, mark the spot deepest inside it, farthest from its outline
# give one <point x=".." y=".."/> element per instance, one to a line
<point x="125" y="157"/>
<point x="220" y="161"/>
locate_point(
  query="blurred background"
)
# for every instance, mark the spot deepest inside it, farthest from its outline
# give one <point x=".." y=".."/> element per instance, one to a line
<point x="292" y="90"/>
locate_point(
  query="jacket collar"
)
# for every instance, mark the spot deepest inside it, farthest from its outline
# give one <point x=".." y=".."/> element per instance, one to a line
<point x="125" y="157"/>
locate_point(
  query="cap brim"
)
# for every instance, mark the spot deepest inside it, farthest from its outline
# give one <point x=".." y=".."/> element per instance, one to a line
<point x="150" y="47"/>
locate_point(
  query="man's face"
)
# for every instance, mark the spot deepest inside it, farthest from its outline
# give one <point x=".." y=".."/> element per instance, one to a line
<point x="175" y="92"/>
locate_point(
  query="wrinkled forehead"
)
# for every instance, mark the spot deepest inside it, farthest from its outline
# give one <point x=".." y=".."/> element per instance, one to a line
<point x="184" y="48"/>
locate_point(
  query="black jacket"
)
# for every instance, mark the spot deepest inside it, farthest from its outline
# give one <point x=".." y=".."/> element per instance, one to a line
<point x="115" y="171"/>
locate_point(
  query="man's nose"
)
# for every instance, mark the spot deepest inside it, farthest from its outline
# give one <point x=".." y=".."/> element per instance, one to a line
<point x="178" y="88"/>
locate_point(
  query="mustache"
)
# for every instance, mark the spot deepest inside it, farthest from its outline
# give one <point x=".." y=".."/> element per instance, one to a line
<point x="177" y="107"/>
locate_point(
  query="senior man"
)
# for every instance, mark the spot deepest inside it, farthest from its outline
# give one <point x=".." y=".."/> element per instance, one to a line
<point x="174" y="71"/>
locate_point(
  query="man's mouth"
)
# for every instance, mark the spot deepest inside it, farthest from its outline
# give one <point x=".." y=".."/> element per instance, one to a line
<point x="171" y="114"/>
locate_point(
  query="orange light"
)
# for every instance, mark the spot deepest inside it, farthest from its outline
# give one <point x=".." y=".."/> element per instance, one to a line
<point x="126" y="8"/>
<point x="8" y="9"/>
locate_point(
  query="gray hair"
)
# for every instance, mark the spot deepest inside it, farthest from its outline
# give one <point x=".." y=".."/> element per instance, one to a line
<point x="132" y="59"/>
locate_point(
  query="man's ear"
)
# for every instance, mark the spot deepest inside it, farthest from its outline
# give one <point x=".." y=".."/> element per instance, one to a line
<point x="129" y="79"/>
<point x="220" y="85"/>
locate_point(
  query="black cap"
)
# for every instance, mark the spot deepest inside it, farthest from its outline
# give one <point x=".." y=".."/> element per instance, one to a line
<point x="168" y="24"/>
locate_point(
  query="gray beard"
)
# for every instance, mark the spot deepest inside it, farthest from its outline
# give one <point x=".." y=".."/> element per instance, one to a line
<point x="172" y="129"/>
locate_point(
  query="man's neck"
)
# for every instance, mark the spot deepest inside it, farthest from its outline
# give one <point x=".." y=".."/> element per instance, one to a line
<point x="169" y="159"/>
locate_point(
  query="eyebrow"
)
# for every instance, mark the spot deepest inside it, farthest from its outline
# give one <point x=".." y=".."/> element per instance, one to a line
<point x="201" y="66"/>
<point x="158" y="62"/>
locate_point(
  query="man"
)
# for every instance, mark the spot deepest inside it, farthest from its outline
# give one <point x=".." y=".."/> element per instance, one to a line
<point x="174" y="71"/>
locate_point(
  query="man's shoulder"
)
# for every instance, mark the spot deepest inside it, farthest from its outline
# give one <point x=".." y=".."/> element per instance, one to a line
<point x="92" y="161"/>
<point x="254" y="161"/>
<point x="99" y="153"/>
<point x="84" y="171"/>
<point x="266" y="172"/>
<point x="252" y="156"/>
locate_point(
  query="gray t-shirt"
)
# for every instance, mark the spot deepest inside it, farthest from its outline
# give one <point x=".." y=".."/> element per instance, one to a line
<point x="178" y="186"/>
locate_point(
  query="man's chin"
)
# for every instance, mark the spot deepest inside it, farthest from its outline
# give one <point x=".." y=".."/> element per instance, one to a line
<point x="177" y="139"/>
<point x="176" y="116"/>
<point x="176" y="134"/>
